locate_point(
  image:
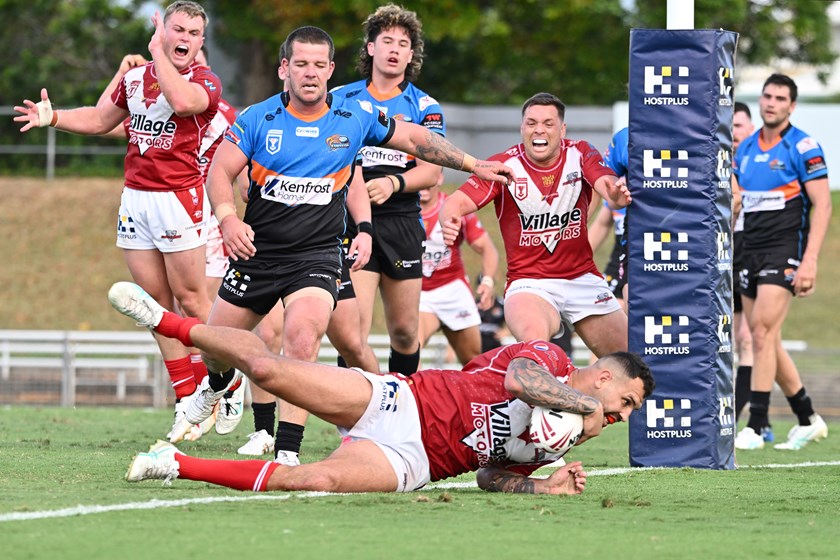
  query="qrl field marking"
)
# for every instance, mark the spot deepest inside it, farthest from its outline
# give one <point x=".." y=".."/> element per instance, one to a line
<point x="159" y="504"/>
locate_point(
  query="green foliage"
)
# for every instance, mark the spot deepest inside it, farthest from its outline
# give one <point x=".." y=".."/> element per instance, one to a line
<point x="72" y="48"/>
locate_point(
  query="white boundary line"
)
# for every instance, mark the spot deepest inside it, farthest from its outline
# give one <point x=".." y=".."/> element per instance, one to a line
<point x="157" y="504"/>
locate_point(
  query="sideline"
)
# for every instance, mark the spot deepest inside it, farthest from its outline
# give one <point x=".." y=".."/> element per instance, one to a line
<point x="157" y="504"/>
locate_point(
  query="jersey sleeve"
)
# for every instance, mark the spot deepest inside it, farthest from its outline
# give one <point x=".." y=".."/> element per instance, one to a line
<point x="241" y="133"/>
<point x="810" y="160"/>
<point x="431" y="115"/>
<point x="480" y="191"/>
<point x="548" y="355"/>
<point x="210" y="83"/>
<point x="118" y="96"/>
<point x="471" y="228"/>
<point x="592" y="164"/>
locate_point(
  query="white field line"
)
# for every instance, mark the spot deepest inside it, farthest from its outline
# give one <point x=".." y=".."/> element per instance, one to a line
<point x="157" y="504"/>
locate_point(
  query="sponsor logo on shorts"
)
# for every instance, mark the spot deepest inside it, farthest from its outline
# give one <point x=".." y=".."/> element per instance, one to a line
<point x="388" y="396"/>
<point x="125" y="228"/>
<point x="406" y="264"/>
<point x="603" y="297"/>
<point x="661" y="85"/>
<point x="668" y="418"/>
<point x="236" y="283"/>
<point x="171" y="235"/>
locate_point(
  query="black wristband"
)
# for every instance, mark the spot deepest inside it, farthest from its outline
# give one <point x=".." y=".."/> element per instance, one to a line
<point x="365" y="227"/>
<point x="401" y="181"/>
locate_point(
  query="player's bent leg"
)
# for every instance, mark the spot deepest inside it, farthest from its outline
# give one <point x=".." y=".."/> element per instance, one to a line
<point x="224" y="313"/>
<point x="365" y="284"/>
<point x="185" y="273"/>
<point x="466" y="343"/>
<point x="531" y="317"/>
<point x="356" y="466"/>
<point x="428" y="325"/>
<point x="401" y="303"/>
<point x="344" y="334"/>
<point x="604" y="334"/>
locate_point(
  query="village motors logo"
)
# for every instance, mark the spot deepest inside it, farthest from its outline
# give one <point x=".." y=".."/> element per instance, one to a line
<point x="668" y="418"/>
<point x="663" y="82"/>
<point x="666" y="335"/>
<point x="662" y="249"/>
<point x="665" y="169"/>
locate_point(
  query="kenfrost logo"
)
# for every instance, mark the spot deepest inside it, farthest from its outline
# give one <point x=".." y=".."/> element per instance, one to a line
<point x="666" y="335"/>
<point x="236" y="283"/>
<point x="723" y="255"/>
<point x="298" y="190"/>
<point x="660" y="82"/>
<point x="665" y="249"/>
<point x="724" y="329"/>
<point x="724" y="168"/>
<point x="726" y="416"/>
<point x="670" y="419"/>
<point x="725" y="78"/>
<point x="664" y="166"/>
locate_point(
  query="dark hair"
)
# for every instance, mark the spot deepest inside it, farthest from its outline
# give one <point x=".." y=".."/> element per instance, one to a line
<point x="388" y="17"/>
<point x="742" y="108"/>
<point x="546" y="99"/>
<point x="782" y="80"/>
<point x="191" y="9"/>
<point x="634" y="367"/>
<point x="307" y="34"/>
<point x="282" y="52"/>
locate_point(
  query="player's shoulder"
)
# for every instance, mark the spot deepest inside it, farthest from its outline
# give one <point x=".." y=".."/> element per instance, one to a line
<point x="266" y="110"/>
<point x="349" y="91"/>
<point x="621" y="138"/>
<point x="800" y="141"/>
<point x="423" y="100"/>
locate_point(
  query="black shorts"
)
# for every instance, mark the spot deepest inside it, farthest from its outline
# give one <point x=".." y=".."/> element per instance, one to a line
<point x="613" y="274"/>
<point x="258" y="286"/>
<point x="345" y="287"/>
<point x="398" y="243"/>
<point x="777" y="267"/>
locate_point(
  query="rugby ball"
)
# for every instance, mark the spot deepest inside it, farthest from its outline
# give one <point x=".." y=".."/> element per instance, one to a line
<point x="555" y="431"/>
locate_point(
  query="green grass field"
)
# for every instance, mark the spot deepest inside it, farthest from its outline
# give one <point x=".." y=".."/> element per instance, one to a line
<point x="62" y="495"/>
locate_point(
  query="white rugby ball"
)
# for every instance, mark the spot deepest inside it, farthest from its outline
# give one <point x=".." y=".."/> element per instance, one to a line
<point x="555" y="431"/>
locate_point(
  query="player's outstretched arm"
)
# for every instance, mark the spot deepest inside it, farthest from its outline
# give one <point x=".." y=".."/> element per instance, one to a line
<point x="434" y="148"/>
<point x="84" y="120"/>
<point x="568" y="479"/>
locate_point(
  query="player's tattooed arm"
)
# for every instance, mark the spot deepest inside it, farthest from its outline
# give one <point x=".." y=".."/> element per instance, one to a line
<point x="495" y="479"/>
<point x="532" y="383"/>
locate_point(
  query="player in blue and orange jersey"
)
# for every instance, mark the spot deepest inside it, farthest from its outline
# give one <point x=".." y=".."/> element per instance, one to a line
<point x="390" y="59"/>
<point x="299" y="151"/>
<point x="783" y="177"/>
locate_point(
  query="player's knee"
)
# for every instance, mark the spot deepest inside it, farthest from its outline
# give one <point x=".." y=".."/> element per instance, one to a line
<point x="194" y="304"/>
<point x="309" y="478"/>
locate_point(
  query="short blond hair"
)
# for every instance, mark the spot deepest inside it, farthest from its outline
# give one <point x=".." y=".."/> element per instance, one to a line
<point x="191" y="9"/>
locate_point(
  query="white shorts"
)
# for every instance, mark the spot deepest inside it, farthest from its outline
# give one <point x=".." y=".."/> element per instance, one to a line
<point x="392" y="422"/>
<point x="216" y="257"/>
<point x="574" y="300"/>
<point x="452" y="304"/>
<point x="164" y="220"/>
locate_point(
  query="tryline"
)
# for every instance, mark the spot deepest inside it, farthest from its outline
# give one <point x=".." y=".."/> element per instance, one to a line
<point x="159" y="504"/>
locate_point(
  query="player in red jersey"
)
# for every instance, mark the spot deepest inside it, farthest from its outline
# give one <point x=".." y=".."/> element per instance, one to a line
<point x="447" y="301"/>
<point x="404" y="431"/>
<point x="542" y="215"/>
<point x="161" y="228"/>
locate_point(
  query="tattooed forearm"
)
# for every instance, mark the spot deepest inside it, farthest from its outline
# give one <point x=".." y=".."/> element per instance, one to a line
<point x="434" y="148"/>
<point x="539" y="387"/>
<point x="506" y="481"/>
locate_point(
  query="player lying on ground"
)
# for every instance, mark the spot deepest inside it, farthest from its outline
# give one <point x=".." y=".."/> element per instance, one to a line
<point x="404" y="432"/>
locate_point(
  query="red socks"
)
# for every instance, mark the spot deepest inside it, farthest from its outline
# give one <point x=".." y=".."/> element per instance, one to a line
<point x="240" y="475"/>
<point x="198" y="367"/>
<point x="173" y="325"/>
<point x="181" y="376"/>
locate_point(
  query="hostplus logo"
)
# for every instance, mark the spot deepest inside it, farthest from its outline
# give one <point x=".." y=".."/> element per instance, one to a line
<point x="724" y="168"/>
<point x="668" y="418"/>
<point x="661" y="250"/>
<point x="125" y="228"/>
<point x="725" y="81"/>
<point x="662" y="83"/>
<point x="726" y="416"/>
<point x="666" y="335"/>
<point x="236" y="283"/>
<point x="665" y="169"/>
<point x="724" y="332"/>
<point x="724" y="255"/>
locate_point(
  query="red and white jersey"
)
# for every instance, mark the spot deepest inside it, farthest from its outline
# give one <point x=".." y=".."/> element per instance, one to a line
<point x="163" y="147"/>
<point x="225" y="116"/>
<point x="470" y="421"/>
<point x="442" y="263"/>
<point x="542" y="214"/>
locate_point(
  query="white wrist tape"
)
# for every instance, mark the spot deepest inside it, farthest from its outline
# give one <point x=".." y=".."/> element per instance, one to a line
<point x="45" y="113"/>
